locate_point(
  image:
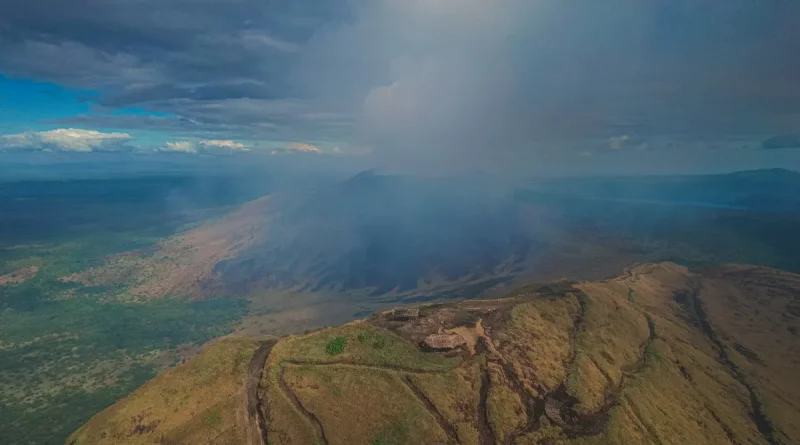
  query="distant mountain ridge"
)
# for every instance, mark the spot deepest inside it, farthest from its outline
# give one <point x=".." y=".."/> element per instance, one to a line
<point x="767" y="189"/>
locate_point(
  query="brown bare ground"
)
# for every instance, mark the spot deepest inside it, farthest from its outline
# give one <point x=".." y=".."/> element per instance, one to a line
<point x="183" y="264"/>
<point x="470" y="335"/>
<point x="19" y="276"/>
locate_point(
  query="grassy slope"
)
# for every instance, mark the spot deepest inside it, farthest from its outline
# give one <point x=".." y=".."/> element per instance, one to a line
<point x="363" y="345"/>
<point x="676" y="390"/>
<point x="610" y="340"/>
<point x="456" y="396"/>
<point x="632" y="350"/>
<point x="198" y="402"/>
<point x="357" y="404"/>
<point x="506" y="411"/>
<point x="756" y="315"/>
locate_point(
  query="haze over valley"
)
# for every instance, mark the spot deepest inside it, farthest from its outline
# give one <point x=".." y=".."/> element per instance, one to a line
<point x="379" y="222"/>
<point x="138" y="273"/>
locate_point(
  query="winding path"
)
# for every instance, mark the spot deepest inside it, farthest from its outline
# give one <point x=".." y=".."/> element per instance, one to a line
<point x="256" y="415"/>
<point x="760" y="418"/>
<point x="534" y="406"/>
<point x="487" y="436"/>
<point x="311" y="417"/>
<point x="448" y="428"/>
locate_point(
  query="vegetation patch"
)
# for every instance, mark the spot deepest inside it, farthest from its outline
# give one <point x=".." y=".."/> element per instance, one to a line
<point x="68" y="359"/>
<point x="68" y="350"/>
<point x="336" y="346"/>
<point x="392" y="351"/>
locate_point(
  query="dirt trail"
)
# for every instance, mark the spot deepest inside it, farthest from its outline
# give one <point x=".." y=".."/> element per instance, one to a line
<point x="534" y="406"/>
<point x="256" y="410"/>
<point x="359" y="366"/>
<point x="311" y="417"/>
<point x="487" y="436"/>
<point x="577" y="328"/>
<point x="763" y="423"/>
<point x="559" y="405"/>
<point x="314" y="420"/>
<point x="443" y="424"/>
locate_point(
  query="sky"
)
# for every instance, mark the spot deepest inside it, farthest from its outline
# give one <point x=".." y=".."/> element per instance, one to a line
<point x="529" y="85"/>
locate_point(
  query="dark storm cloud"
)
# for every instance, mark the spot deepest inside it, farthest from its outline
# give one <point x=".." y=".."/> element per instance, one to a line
<point x="488" y="80"/>
<point x="470" y="80"/>
<point x="218" y="64"/>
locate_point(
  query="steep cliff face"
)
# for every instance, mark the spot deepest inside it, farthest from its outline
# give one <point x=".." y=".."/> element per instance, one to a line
<point x="659" y="355"/>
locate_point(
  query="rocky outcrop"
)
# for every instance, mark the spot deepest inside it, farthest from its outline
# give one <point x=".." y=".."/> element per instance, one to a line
<point x="404" y="314"/>
<point x="552" y="408"/>
<point x="443" y="342"/>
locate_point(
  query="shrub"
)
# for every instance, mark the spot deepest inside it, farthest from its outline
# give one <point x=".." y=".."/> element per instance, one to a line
<point x="336" y="346"/>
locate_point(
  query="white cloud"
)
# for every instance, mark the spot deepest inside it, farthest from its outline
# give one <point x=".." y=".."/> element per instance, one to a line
<point x="178" y="147"/>
<point x="66" y="140"/>
<point x="617" y="142"/>
<point x="297" y="147"/>
<point x="223" y="144"/>
<point x="625" y="142"/>
<point x="303" y="147"/>
<point x="209" y="146"/>
<point x="262" y="40"/>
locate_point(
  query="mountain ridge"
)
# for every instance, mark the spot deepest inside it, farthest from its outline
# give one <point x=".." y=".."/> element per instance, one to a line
<point x="659" y="354"/>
